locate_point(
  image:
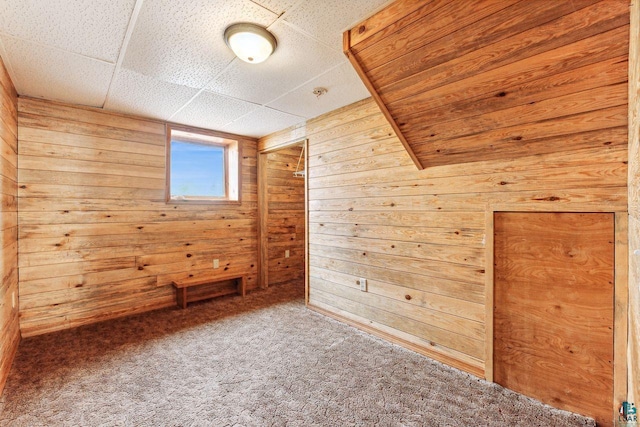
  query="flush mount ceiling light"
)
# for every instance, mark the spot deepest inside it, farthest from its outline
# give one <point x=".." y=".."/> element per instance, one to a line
<point x="250" y="42"/>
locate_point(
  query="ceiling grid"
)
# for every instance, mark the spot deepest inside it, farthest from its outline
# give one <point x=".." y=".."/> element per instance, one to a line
<point x="167" y="60"/>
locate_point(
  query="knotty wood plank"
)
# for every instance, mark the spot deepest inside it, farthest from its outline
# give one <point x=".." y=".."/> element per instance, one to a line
<point x="611" y="95"/>
<point x="457" y="289"/>
<point x="455" y="324"/>
<point x="598" y="146"/>
<point x="382" y="20"/>
<point x="513" y="140"/>
<point x="454" y="254"/>
<point x="602" y="175"/>
<point x="89" y="115"/>
<point x="40" y="149"/>
<point x="88" y="129"/>
<point x="454" y="306"/>
<point x="524" y="30"/>
<point x="432" y="219"/>
<point x="428" y="267"/>
<point x="90" y="167"/>
<point x="607" y="72"/>
<point x="78" y="141"/>
<point x="321" y="292"/>
<point x="441" y="21"/>
<point x="432" y="87"/>
<point x="66" y="178"/>
<point x="50" y="251"/>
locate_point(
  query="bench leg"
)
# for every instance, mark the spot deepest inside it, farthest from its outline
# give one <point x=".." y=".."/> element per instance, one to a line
<point x="181" y="297"/>
<point x="242" y="286"/>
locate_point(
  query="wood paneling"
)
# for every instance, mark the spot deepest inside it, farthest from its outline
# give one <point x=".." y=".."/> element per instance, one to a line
<point x="96" y="238"/>
<point x="420" y="237"/>
<point x="284" y="219"/>
<point x="554" y="309"/>
<point x="634" y="207"/>
<point x="470" y="81"/>
<point x="9" y="320"/>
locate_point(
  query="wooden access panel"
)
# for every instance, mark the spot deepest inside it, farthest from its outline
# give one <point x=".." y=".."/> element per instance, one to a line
<point x="553" y="309"/>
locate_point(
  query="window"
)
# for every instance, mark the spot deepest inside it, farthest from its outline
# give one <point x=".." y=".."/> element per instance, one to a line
<point x="201" y="166"/>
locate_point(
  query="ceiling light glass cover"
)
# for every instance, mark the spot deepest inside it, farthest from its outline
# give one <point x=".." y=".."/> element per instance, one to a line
<point x="250" y="42"/>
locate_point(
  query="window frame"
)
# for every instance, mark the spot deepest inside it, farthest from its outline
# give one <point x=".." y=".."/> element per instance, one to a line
<point x="232" y="163"/>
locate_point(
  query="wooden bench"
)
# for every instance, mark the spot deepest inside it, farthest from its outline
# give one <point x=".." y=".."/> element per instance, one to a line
<point x="183" y="297"/>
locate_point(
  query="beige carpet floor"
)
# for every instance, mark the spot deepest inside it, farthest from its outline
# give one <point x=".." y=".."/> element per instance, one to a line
<point x="265" y="361"/>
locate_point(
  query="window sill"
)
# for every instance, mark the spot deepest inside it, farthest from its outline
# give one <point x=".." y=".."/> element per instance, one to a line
<point x="203" y="202"/>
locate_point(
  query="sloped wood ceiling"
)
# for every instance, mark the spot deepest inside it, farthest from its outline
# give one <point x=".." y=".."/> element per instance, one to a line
<point x="473" y="80"/>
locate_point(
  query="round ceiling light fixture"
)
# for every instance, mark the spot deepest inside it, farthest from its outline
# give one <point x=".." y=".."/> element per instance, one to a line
<point x="250" y="42"/>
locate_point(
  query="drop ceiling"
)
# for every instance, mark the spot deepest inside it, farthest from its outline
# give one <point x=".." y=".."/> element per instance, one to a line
<point x="167" y="60"/>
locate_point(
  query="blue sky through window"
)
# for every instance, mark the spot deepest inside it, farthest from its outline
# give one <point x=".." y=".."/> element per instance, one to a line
<point x="197" y="170"/>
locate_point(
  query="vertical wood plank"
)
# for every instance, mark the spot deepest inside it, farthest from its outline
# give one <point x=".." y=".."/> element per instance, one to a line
<point x="621" y="310"/>
<point x="9" y="298"/>
<point x="263" y="220"/>
<point x="489" y="294"/>
<point x="633" y="350"/>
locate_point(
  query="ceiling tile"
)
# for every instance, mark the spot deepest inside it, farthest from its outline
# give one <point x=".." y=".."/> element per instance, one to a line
<point x="313" y="18"/>
<point x="213" y="111"/>
<point x="182" y="41"/>
<point x="93" y="28"/>
<point x="45" y="72"/>
<point x="261" y="122"/>
<point x="296" y="60"/>
<point x="276" y="6"/>
<point x="141" y="95"/>
<point x="343" y="87"/>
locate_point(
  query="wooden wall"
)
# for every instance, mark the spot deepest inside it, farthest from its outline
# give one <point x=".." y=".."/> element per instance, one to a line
<point x="423" y="238"/>
<point x="284" y="216"/>
<point x="96" y="238"/>
<point x="9" y="323"/>
<point x="634" y="206"/>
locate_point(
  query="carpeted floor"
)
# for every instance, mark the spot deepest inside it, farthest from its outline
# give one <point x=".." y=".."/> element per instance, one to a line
<point x="266" y="361"/>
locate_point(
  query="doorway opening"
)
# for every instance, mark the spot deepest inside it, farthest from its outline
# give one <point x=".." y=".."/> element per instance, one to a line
<point x="282" y="209"/>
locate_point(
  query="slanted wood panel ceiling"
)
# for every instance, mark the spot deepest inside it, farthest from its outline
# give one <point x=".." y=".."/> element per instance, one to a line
<point x="420" y="237"/>
<point x="285" y="222"/>
<point x="97" y="239"/>
<point x="466" y="81"/>
<point x="9" y="324"/>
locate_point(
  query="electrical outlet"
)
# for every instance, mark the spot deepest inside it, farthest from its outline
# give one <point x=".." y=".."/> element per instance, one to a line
<point x="216" y="263"/>
<point x="286" y="253"/>
<point x="363" y="284"/>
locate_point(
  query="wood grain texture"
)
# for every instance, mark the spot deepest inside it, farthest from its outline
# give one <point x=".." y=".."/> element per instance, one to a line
<point x="457" y="80"/>
<point x="97" y="239"/>
<point x="284" y="216"/>
<point x="9" y="320"/>
<point x="423" y="234"/>
<point x="554" y="309"/>
<point x="633" y="349"/>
